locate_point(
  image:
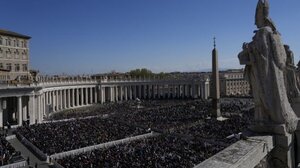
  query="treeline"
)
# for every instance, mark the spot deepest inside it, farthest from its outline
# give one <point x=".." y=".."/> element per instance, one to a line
<point x="145" y="73"/>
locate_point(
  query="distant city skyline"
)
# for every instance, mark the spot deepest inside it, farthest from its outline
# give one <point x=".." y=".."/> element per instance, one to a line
<point x="73" y="37"/>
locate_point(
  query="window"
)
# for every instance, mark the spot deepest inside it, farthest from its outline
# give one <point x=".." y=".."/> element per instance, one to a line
<point x="8" y="41"/>
<point x="1" y="41"/>
<point x="17" y="67"/>
<point x="17" y="43"/>
<point x="25" y="67"/>
<point x="1" y="65"/>
<point x="8" y="66"/>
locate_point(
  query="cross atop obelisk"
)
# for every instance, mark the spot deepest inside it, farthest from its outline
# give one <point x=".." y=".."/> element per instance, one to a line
<point x="215" y="94"/>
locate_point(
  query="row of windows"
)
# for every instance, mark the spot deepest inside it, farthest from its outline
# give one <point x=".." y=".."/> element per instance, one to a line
<point x="13" y="43"/>
<point x="16" y="52"/>
<point x="237" y="83"/>
<point x="17" y="67"/>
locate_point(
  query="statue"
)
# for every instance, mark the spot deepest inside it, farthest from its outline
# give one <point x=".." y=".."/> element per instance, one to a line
<point x="262" y="18"/>
<point x="290" y="74"/>
<point x="266" y="63"/>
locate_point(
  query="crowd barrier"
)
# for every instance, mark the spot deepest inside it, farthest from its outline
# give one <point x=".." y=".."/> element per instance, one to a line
<point x="36" y="151"/>
<point x="100" y="146"/>
<point x="15" y="165"/>
<point x="80" y="118"/>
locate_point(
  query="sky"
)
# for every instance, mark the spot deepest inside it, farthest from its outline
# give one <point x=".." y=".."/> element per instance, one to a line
<point x="98" y="36"/>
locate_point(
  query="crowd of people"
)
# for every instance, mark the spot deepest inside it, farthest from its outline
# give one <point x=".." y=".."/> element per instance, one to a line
<point x="160" y="152"/>
<point x="8" y="154"/>
<point x="166" y="118"/>
<point x="58" y="137"/>
<point x="189" y="133"/>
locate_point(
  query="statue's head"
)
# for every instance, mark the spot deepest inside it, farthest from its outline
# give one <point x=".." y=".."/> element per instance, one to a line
<point x="262" y="13"/>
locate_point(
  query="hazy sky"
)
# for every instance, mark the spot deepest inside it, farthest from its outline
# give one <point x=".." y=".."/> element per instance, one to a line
<point x="94" y="36"/>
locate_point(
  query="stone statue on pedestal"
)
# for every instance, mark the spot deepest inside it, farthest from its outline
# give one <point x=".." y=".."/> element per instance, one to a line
<point x="266" y="64"/>
<point x="271" y="73"/>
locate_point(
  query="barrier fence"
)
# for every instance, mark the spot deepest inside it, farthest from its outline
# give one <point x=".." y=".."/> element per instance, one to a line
<point x="36" y="151"/>
<point x="15" y="165"/>
<point x="100" y="146"/>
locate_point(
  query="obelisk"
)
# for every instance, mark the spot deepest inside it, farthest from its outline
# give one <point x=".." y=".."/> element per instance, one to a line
<point x="215" y="93"/>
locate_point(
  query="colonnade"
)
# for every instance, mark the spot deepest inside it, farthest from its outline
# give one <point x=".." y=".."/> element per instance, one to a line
<point x="124" y="92"/>
<point x="34" y="104"/>
<point x="65" y="98"/>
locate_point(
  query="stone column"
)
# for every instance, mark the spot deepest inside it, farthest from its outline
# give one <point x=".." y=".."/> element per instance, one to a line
<point x="19" y="110"/>
<point x="158" y="91"/>
<point x="140" y="91"/>
<point x="53" y="101"/>
<point x="44" y="106"/>
<point x="82" y="97"/>
<point x="126" y="93"/>
<point x="117" y="93"/>
<point x="96" y="95"/>
<point x="148" y="92"/>
<point x="25" y="109"/>
<point x="111" y="94"/>
<point x="152" y="92"/>
<point x="77" y="97"/>
<point x="91" y="96"/>
<point x="174" y="92"/>
<point x="73" y="97"/>
<point x="102" y="94"/>
<point x="40" y="112"/>
<point x="50" y="97"/>
<point x="61" y="99"/>
<point x="130" y="92"/>
<point x="32" y="109"/>
<point x="86" y="96"/>
<point x="68" y="98"/>
<point x="1" y="113"/>
<point x="121" y="93"/>
<point x="134" y="95"/>
<point x="38" y="109"/>
<point x="57" y="100"/>
<point x="169" y="91"/>
<point x="65" y="99"/>
<point x="199" y="90"/>
<point x="46" y="98"/>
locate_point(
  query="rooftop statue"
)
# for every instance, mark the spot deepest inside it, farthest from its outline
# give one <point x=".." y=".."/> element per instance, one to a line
<point x="266" y="64"/>
<point x="262" y="18"/>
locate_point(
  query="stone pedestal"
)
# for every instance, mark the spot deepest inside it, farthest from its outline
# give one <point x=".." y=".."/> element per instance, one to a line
<point x="283" y="155"/>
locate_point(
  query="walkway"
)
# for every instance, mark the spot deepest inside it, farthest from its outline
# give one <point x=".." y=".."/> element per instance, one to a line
<point x="26" y="153"/>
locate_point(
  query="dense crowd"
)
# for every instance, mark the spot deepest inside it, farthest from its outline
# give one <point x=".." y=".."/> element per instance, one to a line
<point x="231" y="106"/>
<point x="65" y="136"/>
<point x="160" y="152"/>
<point x="210" y="128"/>
<point x="190" y="135"/>
<point x="94" y="110"/>
<point x="8" y="154"/>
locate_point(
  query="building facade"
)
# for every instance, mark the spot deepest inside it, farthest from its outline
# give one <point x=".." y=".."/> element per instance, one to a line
<point x="14" y="55"/>
<point x="233" y="83"/>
